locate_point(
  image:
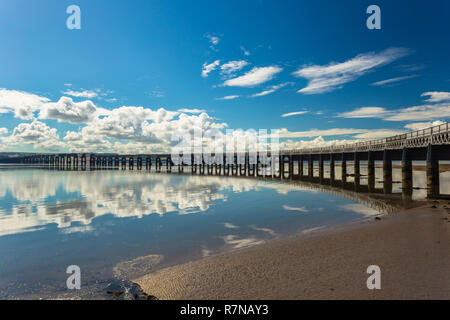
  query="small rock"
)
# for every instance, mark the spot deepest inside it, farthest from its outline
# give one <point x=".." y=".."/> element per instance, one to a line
<point x="433" y="206"/>
<point x="115" y="293"/>
<point x="377" y="218"/>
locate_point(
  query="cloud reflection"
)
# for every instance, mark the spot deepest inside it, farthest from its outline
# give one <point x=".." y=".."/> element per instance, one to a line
<point x="33" y="198"/>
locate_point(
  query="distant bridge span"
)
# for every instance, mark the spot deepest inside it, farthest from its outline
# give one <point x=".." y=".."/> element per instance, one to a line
<point x="431" y="145"/>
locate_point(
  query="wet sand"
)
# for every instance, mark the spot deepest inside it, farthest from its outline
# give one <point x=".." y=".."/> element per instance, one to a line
<point x="412" y="248"/>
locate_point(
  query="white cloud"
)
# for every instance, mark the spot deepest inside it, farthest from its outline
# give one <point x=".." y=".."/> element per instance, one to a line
<point x="415" y="113"/>
<point x="232" y="66"/>
<point x="138" y="130"/>
<point x="393" y="80"/>
<point x="37" y="134"/>
<point x="21" y="103"/>
<point x="157" y="93"/>
<point x="290" y="114"/>
<point x="357" y="133"/>
<point x="270" y="90"/>
<point x="284" y="133"/>
<point x="207" y="68"/>
<point x="245" y="51"/>
<point x="229" y="97"/>
<point x="333" y="76"/>
<point x="378" y="134"/>
<point x="364" y="112"/>
<point x="3" y="131"/>
<point x="254" y="77"/>
<point x="191" y="110"/>
<point x="65" y="110"/>
<point x="422" y="112"/>
<point x="436" y="96"/>
<point x="423" y="125"/>
<point x="67" y="84"/>
<point x="81" y="94"/>
<point x="214" y="40"/>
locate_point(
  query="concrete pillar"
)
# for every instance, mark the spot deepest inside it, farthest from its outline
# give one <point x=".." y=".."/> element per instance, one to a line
<point x="243" y="165"/>
<point x="280" y="167"/>
<point x="332" y="172"/>
<point x="131" y="163"/>
<point x="387" y="172"/>
<point x="169" y="164"/>
<point x="371" y="171"/>
<point x="356" y="170"/>
<point x="291" y="166"/>
<point x="310" y="167"/>
<point x="407" y="181"/>
<point x="300" y="166"/>
<point x="257" y="166"/>
<point x="321" y="168"/>
<point x="234" y="166"/>
<point x="432" y="172"/>
<point x="343" y="170"/>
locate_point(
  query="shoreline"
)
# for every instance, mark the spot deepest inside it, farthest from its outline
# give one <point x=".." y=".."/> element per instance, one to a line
<point x="411" y="247"/>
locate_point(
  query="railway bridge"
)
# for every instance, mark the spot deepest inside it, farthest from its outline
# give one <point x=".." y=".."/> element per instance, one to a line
<point x="313" y="164"/>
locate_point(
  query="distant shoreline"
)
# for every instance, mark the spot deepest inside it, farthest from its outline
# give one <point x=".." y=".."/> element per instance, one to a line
<point x="412" y="248"/>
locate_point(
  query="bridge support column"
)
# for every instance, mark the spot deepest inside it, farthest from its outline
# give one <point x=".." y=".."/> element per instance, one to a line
<point x="332" y="173"/>
<point x="300" y="166"/>
<point x="169" y="164"/>
<point x="387" y="172"/>
<point x="407" y="177"/>
<point x="371" y="171"/>
<point x="291" y="166"/>
<point x="321" y="168"/>
<point x="356" y="171"/>
<point x="310" y="167"/>
<point x="432" y="172"/>
<point x="280" y="167"/>
<point x="343" y="170"/>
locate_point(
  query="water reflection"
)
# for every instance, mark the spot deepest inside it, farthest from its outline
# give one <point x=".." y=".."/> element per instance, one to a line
<point x="97" y="219"/>
<point x="30" y="199"/>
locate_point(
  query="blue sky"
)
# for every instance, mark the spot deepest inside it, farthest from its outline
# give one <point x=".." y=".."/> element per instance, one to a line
<point x="315" y="62"/>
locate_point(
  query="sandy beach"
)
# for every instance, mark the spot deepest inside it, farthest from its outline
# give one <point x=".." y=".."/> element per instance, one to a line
<point x="411" y="247"/>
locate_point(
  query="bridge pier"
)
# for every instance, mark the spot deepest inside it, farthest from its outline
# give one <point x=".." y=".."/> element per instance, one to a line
<point x="432" y="164"/>
<point x="387" y="172"/>
<point x="332" y="173"/>
<point x="407" y="174"/>
<point x="310" y="167"/>
<point x="343" y="170"/>
<point x="300" y="168"/>
<point x="356" y="171"/>
<point x="371" y="171"/>
<point x="321" y="168"/>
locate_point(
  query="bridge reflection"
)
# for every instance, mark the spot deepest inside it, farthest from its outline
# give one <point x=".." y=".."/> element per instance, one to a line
<point x="375" y="198"/>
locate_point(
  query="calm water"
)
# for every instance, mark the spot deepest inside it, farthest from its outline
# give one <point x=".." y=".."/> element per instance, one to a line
<point x="51" y="219"/>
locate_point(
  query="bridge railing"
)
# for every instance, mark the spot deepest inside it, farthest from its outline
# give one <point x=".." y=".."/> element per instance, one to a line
<point x="411" y="139"/>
